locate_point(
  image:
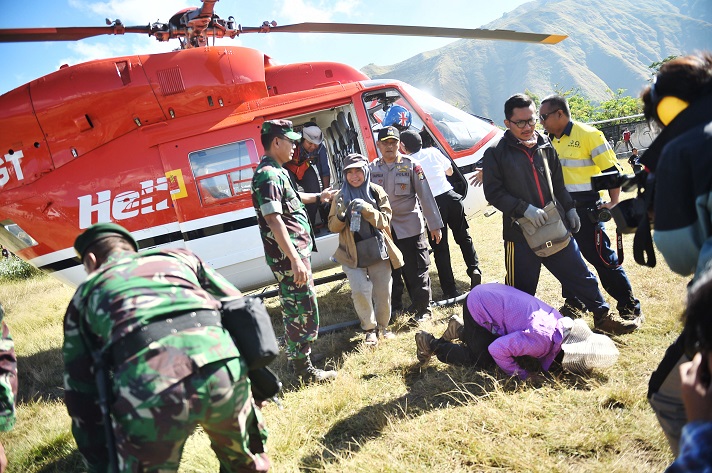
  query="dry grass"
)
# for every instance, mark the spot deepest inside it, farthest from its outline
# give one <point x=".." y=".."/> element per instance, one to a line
<point x="385" y="412"/>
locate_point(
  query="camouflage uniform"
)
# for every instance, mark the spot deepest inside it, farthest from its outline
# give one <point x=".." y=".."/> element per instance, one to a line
<point x="272" y="192"/>
<point x="160" y="393"/>
<point x="8" y="377"/>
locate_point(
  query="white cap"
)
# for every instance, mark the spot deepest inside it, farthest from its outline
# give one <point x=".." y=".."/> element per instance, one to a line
<point x="585" y="350"/>
<point x="313" y="134"/>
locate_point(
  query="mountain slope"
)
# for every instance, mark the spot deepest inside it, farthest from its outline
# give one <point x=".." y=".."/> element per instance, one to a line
<point x="610" y="46"/>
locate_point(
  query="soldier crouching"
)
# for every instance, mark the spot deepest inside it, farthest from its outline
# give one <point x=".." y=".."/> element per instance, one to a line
<point x="152" y="320"/>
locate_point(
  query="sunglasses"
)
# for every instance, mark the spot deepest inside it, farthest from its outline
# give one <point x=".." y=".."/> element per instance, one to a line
<point x="522" y="123"/>
<point x="544" y="116"/>
<point x="292" y="142"/>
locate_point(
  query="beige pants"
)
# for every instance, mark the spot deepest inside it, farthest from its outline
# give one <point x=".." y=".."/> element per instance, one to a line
<point x="371" y="293"/>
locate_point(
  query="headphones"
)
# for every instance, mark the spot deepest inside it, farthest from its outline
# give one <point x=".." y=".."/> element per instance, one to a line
<point x="666" y="107"/>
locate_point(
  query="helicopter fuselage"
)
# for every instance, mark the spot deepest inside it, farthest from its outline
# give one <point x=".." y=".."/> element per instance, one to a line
<point x="166" y="144"/>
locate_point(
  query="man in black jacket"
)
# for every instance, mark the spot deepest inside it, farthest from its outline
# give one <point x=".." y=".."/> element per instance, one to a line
<point x="515" y="182"/>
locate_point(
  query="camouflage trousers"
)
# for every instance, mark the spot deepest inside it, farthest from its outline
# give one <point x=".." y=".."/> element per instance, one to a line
<point x="300" y="312"/>
<point x="150" y="435"/>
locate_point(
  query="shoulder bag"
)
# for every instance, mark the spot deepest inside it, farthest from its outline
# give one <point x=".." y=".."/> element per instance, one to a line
<point x="551" y="237"/>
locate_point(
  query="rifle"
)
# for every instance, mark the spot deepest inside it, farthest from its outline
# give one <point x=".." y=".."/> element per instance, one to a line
<point x="103" y="387"/>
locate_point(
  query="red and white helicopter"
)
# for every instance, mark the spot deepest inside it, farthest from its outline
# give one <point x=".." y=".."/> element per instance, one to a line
<point x="145" y="140"/>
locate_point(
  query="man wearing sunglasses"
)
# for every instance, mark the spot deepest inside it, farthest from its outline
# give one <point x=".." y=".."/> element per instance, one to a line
<point x="515" y="182"/>
<point x="584" y="152"/>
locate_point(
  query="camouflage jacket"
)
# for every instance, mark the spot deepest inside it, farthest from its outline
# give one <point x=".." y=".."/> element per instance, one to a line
<point x="128" y="291"/>
<point x="272" y="192"/>
<point x="8" y="377"/>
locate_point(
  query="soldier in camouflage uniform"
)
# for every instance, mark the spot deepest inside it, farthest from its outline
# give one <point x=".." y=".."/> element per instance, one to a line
<point x="154" y="316"/>
<point x="8" y="384"/>
<point x="288" y="241"/>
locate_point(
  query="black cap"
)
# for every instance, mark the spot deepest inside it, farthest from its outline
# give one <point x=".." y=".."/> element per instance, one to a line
<point x="100" y="231"/>
<point x="411" y="140"/>
<point x="388" y="133"/>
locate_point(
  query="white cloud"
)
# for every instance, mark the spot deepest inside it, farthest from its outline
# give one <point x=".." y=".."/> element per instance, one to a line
<point x="299" y="11"/>
<point x="84" y="51"/>
<point x="133" y="12"/>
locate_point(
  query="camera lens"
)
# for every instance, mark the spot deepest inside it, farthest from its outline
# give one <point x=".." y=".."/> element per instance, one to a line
<point x="604" y="215"/>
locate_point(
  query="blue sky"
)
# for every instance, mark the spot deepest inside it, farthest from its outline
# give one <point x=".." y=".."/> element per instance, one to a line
<point x="24" y="62"/>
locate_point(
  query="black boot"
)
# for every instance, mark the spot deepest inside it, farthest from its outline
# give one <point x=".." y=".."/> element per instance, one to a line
<point x="308" y="374"/>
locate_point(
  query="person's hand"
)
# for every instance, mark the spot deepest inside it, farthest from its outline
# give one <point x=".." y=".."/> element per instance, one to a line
<point x="328" y="194"/>
<point x="574" y="221"/>
<point x="536" y="216"/>
<point x="340" y="209"/>
<point x="436" y="235"/>
<point x="476" y="178"/>
<point x="357" y="205"/>
<point x="300" y="272"/>
<point x="695" y="388"/>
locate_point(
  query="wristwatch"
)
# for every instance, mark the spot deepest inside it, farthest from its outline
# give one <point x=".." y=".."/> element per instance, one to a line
<point x="318" y="199"/>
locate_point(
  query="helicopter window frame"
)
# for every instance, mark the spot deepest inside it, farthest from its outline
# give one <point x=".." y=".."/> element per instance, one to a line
<point x="224" y="173"/>
<point x="14" y="238"/>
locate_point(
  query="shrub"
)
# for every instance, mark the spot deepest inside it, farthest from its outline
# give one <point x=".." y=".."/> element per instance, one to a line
<point x="15" y="269"/>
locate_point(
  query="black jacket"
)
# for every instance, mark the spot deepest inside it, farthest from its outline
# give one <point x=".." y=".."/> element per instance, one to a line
<point x="511" y="184"/>
<point x="681" y="159"/>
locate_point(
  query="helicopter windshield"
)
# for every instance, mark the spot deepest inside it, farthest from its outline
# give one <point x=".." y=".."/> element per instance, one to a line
<point x="461" y="130"/>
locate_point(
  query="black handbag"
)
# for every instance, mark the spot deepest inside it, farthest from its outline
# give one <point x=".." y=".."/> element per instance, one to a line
<point x="371" y="250"/>
<point x="247" y="320"/>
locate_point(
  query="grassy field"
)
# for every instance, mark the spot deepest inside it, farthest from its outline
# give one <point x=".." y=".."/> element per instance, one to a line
<point x="387" y="413"/>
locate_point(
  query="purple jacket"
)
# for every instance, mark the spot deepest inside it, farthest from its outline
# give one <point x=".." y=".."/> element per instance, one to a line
<point x="524" y="326"/>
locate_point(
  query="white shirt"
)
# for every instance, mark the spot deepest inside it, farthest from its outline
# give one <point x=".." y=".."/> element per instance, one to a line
<point x="434" y="164"/>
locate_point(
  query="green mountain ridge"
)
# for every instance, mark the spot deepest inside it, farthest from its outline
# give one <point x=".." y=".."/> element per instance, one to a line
<point x="610" y="46"/>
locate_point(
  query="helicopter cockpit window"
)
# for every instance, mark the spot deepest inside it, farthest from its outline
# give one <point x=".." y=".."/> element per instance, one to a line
<point x="13" y="237"/>
<point x="387" y="107"/>
<point x="461" y="129"/>
<point x="225" y="171"/>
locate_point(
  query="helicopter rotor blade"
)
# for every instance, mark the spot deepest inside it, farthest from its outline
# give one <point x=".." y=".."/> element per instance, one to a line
<point x="75" y="33"/>
<point x="401" y="30"/>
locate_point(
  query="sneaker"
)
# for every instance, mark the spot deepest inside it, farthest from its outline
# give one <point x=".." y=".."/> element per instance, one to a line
<point x="573" y="308"/>
<point x="385" y="333"/>
<point x="371" y="338"/>
<point x="454" y="329"/>
<point x="475" y="278"/>
<point x="419" y="319"/>
<point x="614" y="324"/>
<point x="424" y="342"/>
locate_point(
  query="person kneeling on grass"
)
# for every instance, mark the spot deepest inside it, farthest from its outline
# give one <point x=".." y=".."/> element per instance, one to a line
<point x="370" y="283"/>
<point x="506" y="326"/>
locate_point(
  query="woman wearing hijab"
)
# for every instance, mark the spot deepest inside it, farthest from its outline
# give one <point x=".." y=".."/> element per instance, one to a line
<point x="359" y="199"/>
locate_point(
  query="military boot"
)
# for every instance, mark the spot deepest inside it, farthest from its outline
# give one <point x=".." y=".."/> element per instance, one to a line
<point x="308" y="374"/>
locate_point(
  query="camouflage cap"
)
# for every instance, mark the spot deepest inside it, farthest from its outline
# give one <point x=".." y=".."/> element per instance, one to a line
<point x="99" y="231"/>
<point x="280" y="128"/>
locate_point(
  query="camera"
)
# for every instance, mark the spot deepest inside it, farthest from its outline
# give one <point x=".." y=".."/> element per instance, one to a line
<point x="628" y="213"/>
<point x="596" y="214"/>
<point x="614" y="179"/>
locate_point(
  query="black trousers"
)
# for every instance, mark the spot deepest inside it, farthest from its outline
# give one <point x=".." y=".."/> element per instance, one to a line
<point x="473" y="349"/>
<point x="453" y="214"/>
<point x="415" y="273"/>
